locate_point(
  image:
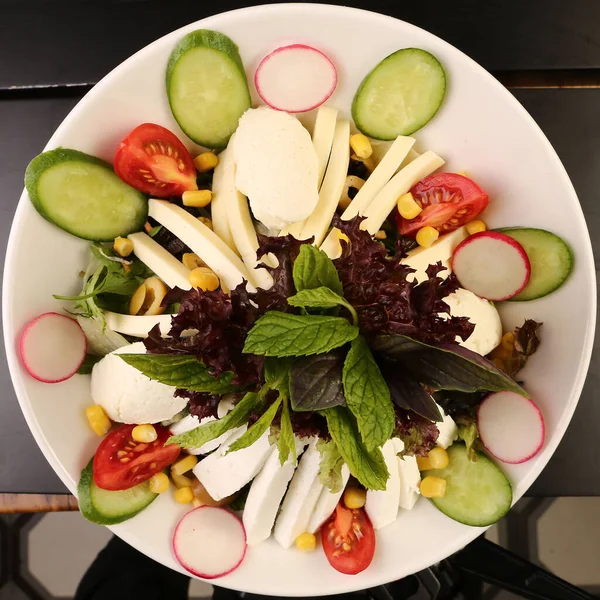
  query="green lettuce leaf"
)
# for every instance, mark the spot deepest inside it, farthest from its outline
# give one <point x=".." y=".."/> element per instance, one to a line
<point x="330" y="469"/>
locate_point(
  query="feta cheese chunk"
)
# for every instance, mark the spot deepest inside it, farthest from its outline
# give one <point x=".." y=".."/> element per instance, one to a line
<point x="382" y="505"/>
<point x="327" y="502"/>
<point x="223" y="474"/>
<point x="127" y="395"/>
<point x="410" y="478"/>
<point x="301" y="498"/>
<point x="448" y="430"/>
<point x="265" y="496"/>
<point x="276" y="167"/>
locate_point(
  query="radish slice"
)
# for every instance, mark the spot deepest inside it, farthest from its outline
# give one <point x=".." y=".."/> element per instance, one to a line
<point x="492" y="265"/>
<point x="295" y="78"/>
<point x="511" y="427"/>
<point x="52" y="347"/>
<point x="210" y="542"/>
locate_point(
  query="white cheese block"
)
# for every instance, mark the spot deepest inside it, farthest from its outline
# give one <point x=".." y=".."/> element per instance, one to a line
<point x="318" y="222"/>
<point x="218" y="206"/>
<point x="301" y="498"/>
<point x="276" y="166"/>
<point x="127" y="395"/>
<point x="382" y="505"/>
<point x="385" y="201"/>
<point x="327" y="502"/>
<point x="322" y="137"/>
<point x="137" y="325"/>
<point x="172" y="271"/>
<point x="265" y="496"/>
<point x="448" y="430"/>
<point x="202" y="241"/>
<point x="224" y="474"/>
<point x="410" y="478"/>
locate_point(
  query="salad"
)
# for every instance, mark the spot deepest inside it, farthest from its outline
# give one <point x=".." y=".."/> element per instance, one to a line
<point x="295" y="331"/>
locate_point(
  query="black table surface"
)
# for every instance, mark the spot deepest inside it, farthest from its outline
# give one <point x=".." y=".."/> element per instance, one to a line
<point x="51" y="51"/>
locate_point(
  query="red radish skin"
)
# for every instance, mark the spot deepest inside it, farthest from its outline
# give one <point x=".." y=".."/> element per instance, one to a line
<point x="511" y="427"/>
<point x="492" y="265"/>
<point x="295" y="78"/>
<point x="211" y="543"/>
<point x="52" y="347"/>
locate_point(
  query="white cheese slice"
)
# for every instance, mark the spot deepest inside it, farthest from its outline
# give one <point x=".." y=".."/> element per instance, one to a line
<point x="265" y="496"/>
<point x="137" y="325"/>
<point x="410" y="478"/>
<point x="333" y="185"/>
<point x="322" y="137"/>
<point x="441" y="250"/>
<point x="327" y="502"/>
<point x="203" y="241"/>
<point x="172" y="271"/>
<point x="190" y="422"/>
<point x="382" y="505"/>
<point x="224" y="474"/>
<point x="218" y="206"/>
<point x="385" y="201"/>
<point x="301" y="498"/>
<point x="448" y="430"/>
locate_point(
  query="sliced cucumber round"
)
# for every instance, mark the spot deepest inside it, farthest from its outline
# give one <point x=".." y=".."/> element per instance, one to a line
<point x="207" y="87"/>
<point x="550" y="257"/>
<point x="400" y="95"/>
<point x="82" y="195"/>
<point x="106" y="507"/>
<point x="477" y="492"/>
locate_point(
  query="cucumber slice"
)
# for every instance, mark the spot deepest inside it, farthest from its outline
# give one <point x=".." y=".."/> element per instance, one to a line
<point x="82" y="195"/>
<point x="550" y="257"/>
<point x="106" y="507"/>
<point x="207" y="88"/>
<point x="400" y="95"/>
<point x="477" y="493"/>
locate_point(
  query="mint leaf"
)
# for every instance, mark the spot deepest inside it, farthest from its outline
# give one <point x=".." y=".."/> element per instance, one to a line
<point x="330" y="469"/>
<point x="258" y="429"/>
<point x="277" y="374"/>
<point x="287" y="440"/>
<point x="281" y="334"/>
<point x="182" y="371"/>
<point x="316" y="382"/>
<point x="367" y="466"/>
<point x="367" y="395"/>
<point x="446" y="366"/>
<point x="313" y="269"/>
<point x="88" y="364"/>
<point x="195" y="438"/>
<point x="322" y="297"/>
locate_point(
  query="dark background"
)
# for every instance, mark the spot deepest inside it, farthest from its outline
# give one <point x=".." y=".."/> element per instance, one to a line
<point x="53" y="51"/>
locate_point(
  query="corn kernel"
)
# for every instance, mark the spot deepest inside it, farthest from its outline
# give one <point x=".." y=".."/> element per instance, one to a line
<point x="355" y="497"/>
<point x="206" y="221"/>
<point x="426" y="236"/>
<point x="191" y="261"/>
<point x="408" y="207"/>
<point x="499" y="364"/>
<point x="159" y="483"/>
<point x="438" y="457"/>
<point x="424" y="463"/>
<point x="184" y="495"/>
<point x="204" y="278"/>
<point x="197" y="198"/>
<point x="306" y="542"/>
<point x="508" y="341"/>
<point x="123" y="246"/>
<point x="463" y="173"/>
<point x="476" y="227"/>
<point x="381" y="235"/>
<point x="361" y="145"/>
<point x="433" y="487"/>
<point x="206" y="161"/>
<point x="144" y="434"/>
<point x="184" y="465"/>
<point x="181" y="481"/>
<point x="98" y="419"/>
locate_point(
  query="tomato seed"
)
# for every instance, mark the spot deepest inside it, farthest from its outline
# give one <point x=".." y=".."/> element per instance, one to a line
<point x="347" y="547"/>
<point x="125" y="460"/>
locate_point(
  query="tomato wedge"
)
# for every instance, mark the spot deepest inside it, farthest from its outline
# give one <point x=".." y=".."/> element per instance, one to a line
<point x="121" y="463"/>
<point x="448" y="200"/>
<point x="348" y="539"/>
<point x="152" y="160"/>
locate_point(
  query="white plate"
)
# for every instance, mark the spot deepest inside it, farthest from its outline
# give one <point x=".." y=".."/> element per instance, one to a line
<point x="480" y="129"/>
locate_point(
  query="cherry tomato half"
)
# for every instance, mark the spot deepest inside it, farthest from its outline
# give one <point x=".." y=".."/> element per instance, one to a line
<point x="448" y="201"/>
<point x="121" y="462"/>
<point x="152" y="160"/>
<point x="348" y="539"/>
